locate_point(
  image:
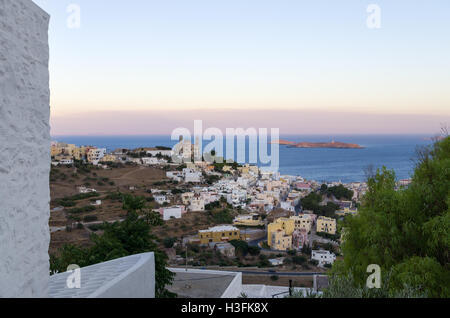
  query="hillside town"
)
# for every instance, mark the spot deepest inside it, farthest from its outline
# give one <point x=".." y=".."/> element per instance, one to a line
<point x="213" y="215"/>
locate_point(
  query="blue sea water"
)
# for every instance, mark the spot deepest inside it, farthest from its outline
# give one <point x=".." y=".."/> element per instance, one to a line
<point x="396" y="152"/>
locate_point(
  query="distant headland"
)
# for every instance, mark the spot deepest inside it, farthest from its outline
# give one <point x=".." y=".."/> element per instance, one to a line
<point x="332" y="144"/>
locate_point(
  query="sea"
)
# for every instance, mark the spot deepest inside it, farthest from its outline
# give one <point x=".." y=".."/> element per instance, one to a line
<point x="395" y="152"/>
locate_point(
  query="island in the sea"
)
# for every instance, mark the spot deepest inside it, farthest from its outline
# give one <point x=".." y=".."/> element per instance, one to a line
<point x="332" y="144"/>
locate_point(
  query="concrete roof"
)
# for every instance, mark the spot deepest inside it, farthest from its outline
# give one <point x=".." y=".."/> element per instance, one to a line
<point x="220" y="228"/>
<point x="194" y="284"/>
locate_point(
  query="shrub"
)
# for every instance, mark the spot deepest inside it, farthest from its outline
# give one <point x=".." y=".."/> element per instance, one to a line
<point x="274" y="277"/>
<point x="169" y="241"/>
<point x="90" y="218"/>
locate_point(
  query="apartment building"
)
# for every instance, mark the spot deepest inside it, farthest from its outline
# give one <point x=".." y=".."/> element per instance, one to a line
<point x="303" y="221"/>
<point x="326" y="225"/>
<point x="94" y="155"/>
<point x="286" y="225"/>
<point x="280" y="240"/>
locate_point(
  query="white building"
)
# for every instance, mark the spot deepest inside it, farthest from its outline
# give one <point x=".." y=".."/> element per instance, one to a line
<point x="161" y="199"/>
<point x="150" y="161"/>
<point x="197" y="204"/>
<point x="175" y="175"/>
<point x="173" y="212"/>
<point x="276" y="261"/>
<point x="83" y="189"/>
<point x="287" y="205"/>
<point x="158" y="152"/>
<point x="323" y="257"/>
<point x="95" y="155"/>
<point x="191" y="175"/>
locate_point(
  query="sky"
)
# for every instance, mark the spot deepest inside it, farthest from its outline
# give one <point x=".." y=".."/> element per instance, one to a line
<point x="147" y="67"/>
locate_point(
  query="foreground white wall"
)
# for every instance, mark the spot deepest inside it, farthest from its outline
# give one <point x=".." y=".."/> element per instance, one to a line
<point x="24" y="149"/>
<point x="127" y="277"/>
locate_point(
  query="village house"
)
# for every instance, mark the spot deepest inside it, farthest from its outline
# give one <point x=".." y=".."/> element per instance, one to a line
<point x="286" y="225"/>
<point x="303" y="221"/>
<point x="196" y="204"/>
<point x="161" y="199"/>
<point x="191" y="175"/>
<point x="95" y="154"/>
<point x="280" y="241"/>
<point x="251" y="220"/>
<point x="225" y="249"/>
<point x="173" y="212"/>
<point x="323" y="257"/>
<point x="220" y="233"/>
<point x="326" y="225"/>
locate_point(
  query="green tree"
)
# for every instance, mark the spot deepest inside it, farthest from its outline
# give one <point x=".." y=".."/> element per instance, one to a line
<point x="406" y="232"/>
<point x="241" y="247"/>
<point x="153" y="218"/>
<point x="132" y="236"/>
<point x="132" y="203"/>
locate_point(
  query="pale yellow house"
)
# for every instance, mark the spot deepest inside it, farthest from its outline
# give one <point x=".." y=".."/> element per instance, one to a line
<point x="280" y="240"/>
<point x="285" y="224"/>
<point x="220" y="233"/>
<point x="326" y="225"/>
<point x="61" y="148"/>
<point x="253" y="219"/>
<point x="108" y="158"/>
<point x="79" y="153"/>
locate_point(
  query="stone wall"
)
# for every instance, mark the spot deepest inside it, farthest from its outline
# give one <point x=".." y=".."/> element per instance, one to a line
<point x="24" y="149"/>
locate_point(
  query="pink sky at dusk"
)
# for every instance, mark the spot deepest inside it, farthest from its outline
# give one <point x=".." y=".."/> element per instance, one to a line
<point x="288" y="121"/>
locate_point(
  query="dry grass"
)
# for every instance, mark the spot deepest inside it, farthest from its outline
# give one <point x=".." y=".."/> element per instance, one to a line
<point x="79" y="237"/>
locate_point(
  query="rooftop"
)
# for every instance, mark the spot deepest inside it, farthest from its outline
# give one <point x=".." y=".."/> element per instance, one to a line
<point x="205" y="283"/>
<point x="220" y="228"/>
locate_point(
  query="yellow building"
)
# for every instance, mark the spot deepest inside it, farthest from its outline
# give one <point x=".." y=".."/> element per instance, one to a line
<point x="326" y="225"/>
<point x="220" y="233"/>
<point x="79" y="153"/>
<point x="253" y="219"/>
<point x="302" y="222"/>
<point x="285" y="224"/>
<point x="108" y="158"/>
<point x="55" y="150"/>
<point x="280" y="240"/>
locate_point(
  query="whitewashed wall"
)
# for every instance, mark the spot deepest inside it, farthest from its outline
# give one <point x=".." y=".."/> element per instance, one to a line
<point x="24" y="149"/>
